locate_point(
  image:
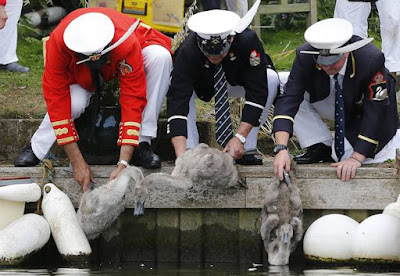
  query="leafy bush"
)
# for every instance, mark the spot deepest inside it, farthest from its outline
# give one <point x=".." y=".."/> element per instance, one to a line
<point x="69" y="5"/>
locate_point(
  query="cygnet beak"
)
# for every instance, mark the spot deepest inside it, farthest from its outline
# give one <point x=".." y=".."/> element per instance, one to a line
<point x="139" y="209"/>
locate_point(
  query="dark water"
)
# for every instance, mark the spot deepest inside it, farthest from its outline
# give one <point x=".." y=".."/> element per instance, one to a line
<point x="206" y="270"/>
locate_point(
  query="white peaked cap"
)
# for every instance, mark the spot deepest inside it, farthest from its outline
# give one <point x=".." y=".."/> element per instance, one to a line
<point x="89" y="33"/>
<point x="214" y="23"/>
<point x="328" y="36"/>
<point x="329" y="33"/>
<point x="221" y="22"/>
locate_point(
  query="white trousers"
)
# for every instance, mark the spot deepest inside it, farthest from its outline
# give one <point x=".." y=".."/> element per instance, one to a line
<point x="157" y="65"/>
<point x="235" y="91"/>
<point x="240" y="7"/>
<point x="8" y="35"/>
<point x="310" y="129"/>
<point x="389" y="15"/>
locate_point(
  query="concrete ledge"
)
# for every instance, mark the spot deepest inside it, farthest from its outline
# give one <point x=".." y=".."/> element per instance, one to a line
<point x="372" y="189"/>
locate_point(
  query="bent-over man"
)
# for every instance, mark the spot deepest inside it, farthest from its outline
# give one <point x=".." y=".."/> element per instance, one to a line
<point x="340" y="77"/>
<point x="87" y="44"/>
<point x="221" y="57"/>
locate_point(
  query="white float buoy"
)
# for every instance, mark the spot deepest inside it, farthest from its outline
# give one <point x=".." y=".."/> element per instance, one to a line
<point x="393" y="209"/>
<point x="61" y="216"/>
<point x="22" y="237"/>
<point x="329" y="238"/>
<point x="14" y="192"/>
<point x="21" y="192"/>
<point x="10" y="211"/>
<point x="377" y="238"/>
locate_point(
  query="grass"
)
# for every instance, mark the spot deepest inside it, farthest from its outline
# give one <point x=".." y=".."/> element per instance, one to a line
<point x="281" y="46"/>
<point x="21" y="93"/>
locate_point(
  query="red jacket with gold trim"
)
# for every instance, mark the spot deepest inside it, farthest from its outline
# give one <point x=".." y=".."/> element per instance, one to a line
<point x="126" y="64"/>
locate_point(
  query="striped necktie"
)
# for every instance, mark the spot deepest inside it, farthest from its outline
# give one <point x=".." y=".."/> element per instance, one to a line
<point x="339" y="119"/>
<point x="223" y="122"/>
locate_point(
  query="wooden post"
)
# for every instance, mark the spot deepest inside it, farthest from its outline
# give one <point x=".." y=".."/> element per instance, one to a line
<point x="312" y="15"/>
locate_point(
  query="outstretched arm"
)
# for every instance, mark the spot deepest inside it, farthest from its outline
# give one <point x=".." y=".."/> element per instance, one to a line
<point x="179" y="143"/>
<point x="81" y="170"/>
<point x="282" y="159"/>
<point x="125" y="154"/>
<point x="347" y="168"/>
<point x="234" y="147"/>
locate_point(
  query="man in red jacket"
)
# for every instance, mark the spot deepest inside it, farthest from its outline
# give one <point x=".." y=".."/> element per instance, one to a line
<point x="88" y="43"/>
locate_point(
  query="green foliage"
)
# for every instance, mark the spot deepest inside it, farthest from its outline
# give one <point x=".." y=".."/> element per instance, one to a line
<point x="38" y="4"/>
<point x="69" y="5"/>
<point x="325" y="8"/>
<point x="281" y="46"/>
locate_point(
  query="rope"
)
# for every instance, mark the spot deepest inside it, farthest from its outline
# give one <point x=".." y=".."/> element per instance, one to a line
<point x="48" y="174"/>
<point x="180" y="36"/>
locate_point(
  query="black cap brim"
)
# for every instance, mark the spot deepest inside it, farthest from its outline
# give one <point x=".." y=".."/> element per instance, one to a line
<point x="328" y="60"/>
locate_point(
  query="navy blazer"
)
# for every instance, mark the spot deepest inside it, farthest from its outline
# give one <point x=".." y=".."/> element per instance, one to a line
<point x="245" y="65"/>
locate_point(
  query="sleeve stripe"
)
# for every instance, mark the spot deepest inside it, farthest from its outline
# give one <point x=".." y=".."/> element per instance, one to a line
<point x="368" y="139"/>
<point x="254" y="104"/>
<point x="130" y="141"/>
<point x="59" y="123"/>
<point x="65" y="140"/>
<point x="283" y="117"/>
<point x="177" y="117"/>
<point x="132" y="124"/>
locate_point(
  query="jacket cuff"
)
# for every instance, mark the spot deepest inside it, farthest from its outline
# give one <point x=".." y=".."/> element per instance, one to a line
<point x="252" y="113"/>
<point x="65" y="131"/>
<point x="128" y="133"/>
<point x="177" y="126"/>
<point x="366" y="146"/>
<point x="283" y="123"/>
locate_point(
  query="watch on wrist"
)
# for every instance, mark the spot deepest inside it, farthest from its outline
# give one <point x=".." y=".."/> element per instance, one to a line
<point x="123" y="162"/>
<point x="279" y="147"/>
<point x="241" y="138"/>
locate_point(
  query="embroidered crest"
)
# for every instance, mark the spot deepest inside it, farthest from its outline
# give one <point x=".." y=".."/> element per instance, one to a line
<point x="232" y="56"/>
<point x="124" y="68"/>
<point x="254" y="58"/>
<point x="378" y="88"/>
<point x="378" y="78"/>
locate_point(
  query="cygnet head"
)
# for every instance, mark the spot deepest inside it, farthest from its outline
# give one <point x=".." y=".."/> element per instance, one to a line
<point x="280" y="254"/>
<point x="140" y="196"/>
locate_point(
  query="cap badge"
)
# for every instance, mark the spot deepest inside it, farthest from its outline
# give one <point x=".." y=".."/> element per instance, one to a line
<point x="324" y="52"/>
<point x="124" y="68"/>
<point x="254" y="58"/>
<point x="216" y="40"/>
<point x="95" y="57"/>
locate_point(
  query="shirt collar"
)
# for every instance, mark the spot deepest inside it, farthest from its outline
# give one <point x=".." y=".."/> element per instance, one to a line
<point x="342" y="71"/>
